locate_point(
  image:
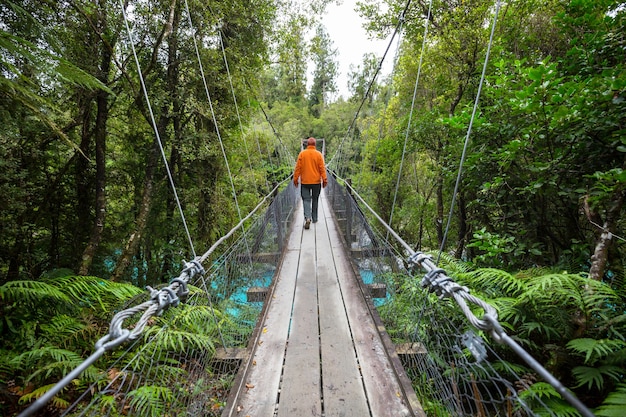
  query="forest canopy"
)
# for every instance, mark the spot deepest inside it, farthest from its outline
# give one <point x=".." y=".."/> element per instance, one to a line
<point x="85" y="191"/>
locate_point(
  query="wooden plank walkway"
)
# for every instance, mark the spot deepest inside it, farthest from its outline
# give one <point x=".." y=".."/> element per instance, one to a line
<point x="318" y="350"/>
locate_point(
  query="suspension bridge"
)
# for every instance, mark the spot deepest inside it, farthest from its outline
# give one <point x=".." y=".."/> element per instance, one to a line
<point x="276" y="320"/>
<point x="301" y="316"/>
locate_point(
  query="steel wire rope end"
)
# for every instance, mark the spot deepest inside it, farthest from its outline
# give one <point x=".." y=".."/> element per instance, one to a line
<point x="108" y="342"/>
<point x="495" y="328"/>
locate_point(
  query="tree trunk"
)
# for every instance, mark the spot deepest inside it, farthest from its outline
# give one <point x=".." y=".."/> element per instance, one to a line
<point x="100" y="138"/>
<point x="132" y="245"/>
<point x="605" y="237"/>
<point x="142" y="217"/>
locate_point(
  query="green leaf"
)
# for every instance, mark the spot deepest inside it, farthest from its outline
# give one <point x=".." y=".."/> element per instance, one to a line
<point x="614" y="404"/>
<point x="595" y="349"/>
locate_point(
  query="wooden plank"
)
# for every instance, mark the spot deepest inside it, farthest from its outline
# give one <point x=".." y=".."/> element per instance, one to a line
<point x="342" y="389"/>
<point x="257" y="390"/>
<point x="300" y="388"/>
<point x="384" y="393"/>
<point x="377" y="290"/>
<point x="256" y="294"/>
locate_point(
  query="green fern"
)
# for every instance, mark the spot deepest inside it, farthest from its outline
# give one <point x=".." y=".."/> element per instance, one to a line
<point x="56" y="401"/>
<point x="595" y="376"/>
<point x="62" y="329"/>
<point x="595" y="349"/>
<point x="546" y="401"/>
<point x="31" y="292"/>
<point x="93" y="291"/>
<point x="452" y="265"/>
<point x="175" y="340"/>
<point x="614" y="404"/>
<point x="50" y="361"/>
<point x="150" y="400"/>
<point x="495" y="282"/>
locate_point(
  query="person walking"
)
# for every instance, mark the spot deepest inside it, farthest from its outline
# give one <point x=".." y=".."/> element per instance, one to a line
<point x="310" y="171"/>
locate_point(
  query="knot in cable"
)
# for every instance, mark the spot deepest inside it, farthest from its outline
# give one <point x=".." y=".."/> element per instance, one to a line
<point x="441" y="284"/>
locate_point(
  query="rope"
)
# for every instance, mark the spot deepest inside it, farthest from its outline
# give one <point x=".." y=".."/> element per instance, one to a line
<point x="154" y="127"/>
<point x="469" y="131"/>
<point x="381" y="123"/>
<point x="208" y="95"/>
<point x="408" y="126"/>
<point x="232" y="89"/>
<point x="435" y="280"/>
<point x="371" y="83"/>
<point x="217" y="130"/>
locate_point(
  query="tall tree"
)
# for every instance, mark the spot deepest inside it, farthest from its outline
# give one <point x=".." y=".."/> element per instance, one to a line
<point x="325" y="72"/>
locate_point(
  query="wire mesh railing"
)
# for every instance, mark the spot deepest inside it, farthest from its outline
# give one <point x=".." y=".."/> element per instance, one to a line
<point x="455" y="368"/>
<point x="181" y="361"/>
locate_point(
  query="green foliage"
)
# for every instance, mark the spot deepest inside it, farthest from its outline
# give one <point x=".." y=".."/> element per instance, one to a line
<point x="614" y="404"/>
<point x="151" y="400"/>
<point x="551" y="400"/>
<point x="50" y="325"/>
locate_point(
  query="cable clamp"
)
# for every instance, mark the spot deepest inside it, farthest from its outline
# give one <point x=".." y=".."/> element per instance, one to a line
<point x="163" y="298"/>
<point x="183" y="290"/>
<point x="418" y="257"/>
<point x="192" y="268"/>
<point x="441" y="284"/>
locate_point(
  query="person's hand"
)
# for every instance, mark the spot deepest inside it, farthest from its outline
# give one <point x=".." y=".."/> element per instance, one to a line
<point x="325" y="183"/>
<point x="295" y="182"/>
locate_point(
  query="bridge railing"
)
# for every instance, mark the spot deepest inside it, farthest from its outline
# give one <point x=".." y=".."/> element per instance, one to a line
<point x="180" y="361"/>
<point x="460" y="364"/>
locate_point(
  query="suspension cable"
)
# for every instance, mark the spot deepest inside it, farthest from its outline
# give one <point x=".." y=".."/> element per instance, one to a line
<point x="469" y="131"/>
<point x="156" y="130"/>
<point x="381" y="123"/>
<point x="437" y="281"/>
<point x="408" y="126"/>
<point x="208" y="95"/>
<point x="370" y="85"/>
<point x="232" y="89"/>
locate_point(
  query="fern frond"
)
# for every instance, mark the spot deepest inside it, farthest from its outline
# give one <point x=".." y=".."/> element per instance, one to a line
<point x="196" y="316"/>
<point x="51" y="360"/>
<point x="594" y="376"/>
<point x="546" y="401"/>
<point x="493" y="281"/>
<point x="530" y="327"/>
<point x="614" y="404"/>
<point x="39" y="392"/>
<point x="31" y="292"/>
<point x="151" y="400"/>
<point x="178" y="340"/>
<point x="452" y="265"/>
<point x="596" y="349"/>
<point x="61" y="327"/>
<point x="94" y="291"/>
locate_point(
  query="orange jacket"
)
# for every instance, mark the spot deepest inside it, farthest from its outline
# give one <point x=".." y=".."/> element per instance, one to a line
<point x="310" y="166"/>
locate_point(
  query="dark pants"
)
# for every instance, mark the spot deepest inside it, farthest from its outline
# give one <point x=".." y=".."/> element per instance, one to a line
<point x="310" y="197"/>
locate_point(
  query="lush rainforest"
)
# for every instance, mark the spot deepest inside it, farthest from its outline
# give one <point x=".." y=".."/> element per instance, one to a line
<point x="88" y="217"/>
